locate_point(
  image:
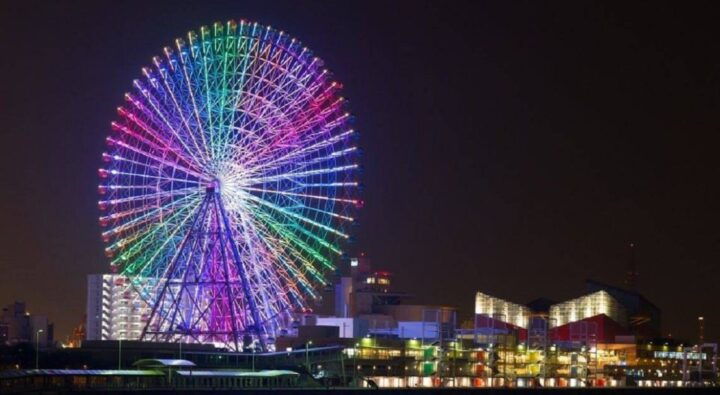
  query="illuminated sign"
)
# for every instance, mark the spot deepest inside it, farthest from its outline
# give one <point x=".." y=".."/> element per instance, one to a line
<point x="679" y="355"/>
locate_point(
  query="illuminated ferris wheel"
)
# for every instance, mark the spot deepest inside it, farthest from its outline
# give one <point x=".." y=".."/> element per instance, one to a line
<point x="229" y="185"/>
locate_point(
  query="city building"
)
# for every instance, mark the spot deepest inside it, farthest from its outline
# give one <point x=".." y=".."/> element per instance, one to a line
<point x="17" y="325"/>
<point x="115" y="310"/>
<point x="364" y="302"/>
<point x="499" y="310"/>
<point x="604" y="337"/>
<point x="644" y="318"/>
<point x="366" y="333"/>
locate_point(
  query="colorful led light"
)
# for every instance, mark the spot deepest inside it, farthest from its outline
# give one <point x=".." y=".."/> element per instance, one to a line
<point x="250" y="112"/>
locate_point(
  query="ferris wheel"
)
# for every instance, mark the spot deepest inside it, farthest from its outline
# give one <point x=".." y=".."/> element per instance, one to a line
<point x="229" y="184"/>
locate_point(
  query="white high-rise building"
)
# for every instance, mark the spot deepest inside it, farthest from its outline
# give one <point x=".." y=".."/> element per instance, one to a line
<point x="115" y="311"/>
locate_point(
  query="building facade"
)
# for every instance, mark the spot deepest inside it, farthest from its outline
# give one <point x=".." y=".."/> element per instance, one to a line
<point x="17" y="325"/>
<point x="115" y="310"/>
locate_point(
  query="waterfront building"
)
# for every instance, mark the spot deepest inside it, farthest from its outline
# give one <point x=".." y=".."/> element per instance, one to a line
<point x="368" y="334"/>
<point x="643" y="317"/>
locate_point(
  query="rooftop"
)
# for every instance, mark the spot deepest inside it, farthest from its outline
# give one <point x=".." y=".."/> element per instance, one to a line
<point x="163" y="363"/>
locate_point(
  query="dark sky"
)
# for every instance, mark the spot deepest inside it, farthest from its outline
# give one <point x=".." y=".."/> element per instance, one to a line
<point x="511" y="147"/>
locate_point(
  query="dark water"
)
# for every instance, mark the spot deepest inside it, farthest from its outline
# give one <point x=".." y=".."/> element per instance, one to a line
<point x="487" y="391"/>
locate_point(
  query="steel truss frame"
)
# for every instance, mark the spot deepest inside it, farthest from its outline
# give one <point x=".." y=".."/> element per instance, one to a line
<point x="206" y="296"/>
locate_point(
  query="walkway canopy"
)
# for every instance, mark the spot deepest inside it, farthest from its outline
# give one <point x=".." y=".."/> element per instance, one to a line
<point x="238" y="373"/>
<point x="163" y="363"/>
<point x="10" y="374"/>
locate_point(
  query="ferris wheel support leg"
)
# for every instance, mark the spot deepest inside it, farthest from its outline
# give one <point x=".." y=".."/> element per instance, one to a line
<point x="243" y="275"/>
<point x="228" y="287"/>
<point x="165" y="285"/>
<point x="202" y="214"/>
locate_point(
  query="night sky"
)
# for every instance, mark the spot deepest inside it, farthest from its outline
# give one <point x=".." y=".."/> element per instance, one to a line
<point x="510" y="147"/>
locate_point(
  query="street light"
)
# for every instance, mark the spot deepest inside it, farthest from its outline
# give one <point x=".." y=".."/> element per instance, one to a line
<point x="355" y="365"/>
<point x="253" y="359"/>
<point x="307" y="357"/>
<point x="37" y="348"/>
<point x="119" y="353"/>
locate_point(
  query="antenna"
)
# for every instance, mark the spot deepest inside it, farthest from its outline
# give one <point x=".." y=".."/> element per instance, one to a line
<point x="701" y="330"/>
<point x="631" y="274"/>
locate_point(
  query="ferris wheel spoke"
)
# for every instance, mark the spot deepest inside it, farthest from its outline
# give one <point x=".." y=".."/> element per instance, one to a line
<point x="300" y="149"/>
<point x="200" y="55"/>
<point x="155" y="104"/>
<point x="150" y="177"/>
<point x="332" y="156"/>
<point x="265" y="95"/>
<point x="267" y="237"/>
<point x="238" y="88"/>
<point x="140" y="243"/>
<point x="137" y="222"/>
<point x="300" y="152"/>
<point x="304" y="195"/>
<point x="154" y="165"/>
<point x="119" y="215"/>
<point x="292" y="279"/>
<point x="129" y="188"/>
<point x="292" y="243"/>
<point x="329" y="184"/>
<point x="140" y="266"/>
<point x="121" y="229"/>
<point x="268" y="289"/>
<point x="157" y="143"/>
<point x="269" y="87"/>
<point x="190" y="89"/>
<point x="271" y="136"/>
<point x="276" y="138"/>
<point x="151" y="196"/>
<point x="316" y="164"/>
<point x="286" y="232"/>
<point x="293" y="214"/>
<point x="156" y="214"/>
<point x="291" y="164"/>
<point x="254" y="107"/>
<point x="331" y="214"/>
<point x="180" y="112"/>
<point x="301" y="174"/>
<point x="317" y="239"/>
<point x="222" y="125"/>
<point x="297" y="232"/>
<point x="227" y="100"/>
<point x="305" y="117"/>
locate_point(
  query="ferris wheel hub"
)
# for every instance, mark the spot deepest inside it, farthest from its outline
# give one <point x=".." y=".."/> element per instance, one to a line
<point x="213" y="186"/>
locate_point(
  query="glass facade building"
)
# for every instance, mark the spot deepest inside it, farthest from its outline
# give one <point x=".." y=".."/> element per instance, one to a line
<point x="502" y="310"/>
<point x="587" y="306"/>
